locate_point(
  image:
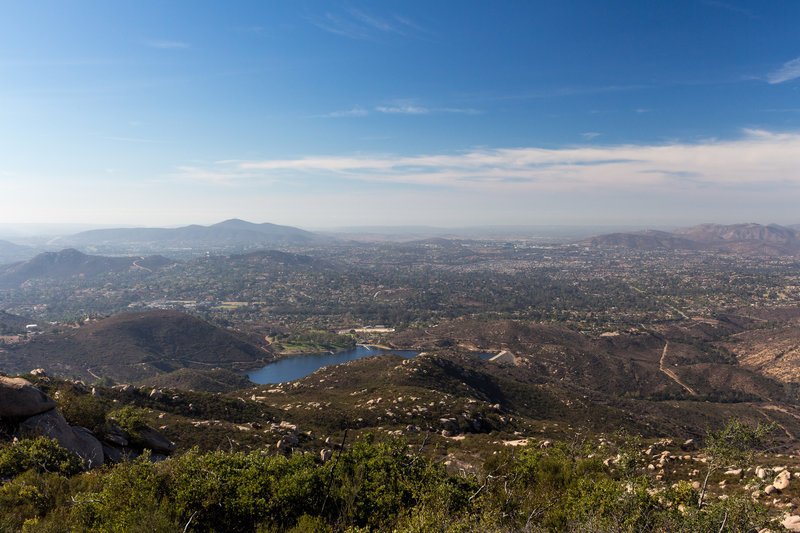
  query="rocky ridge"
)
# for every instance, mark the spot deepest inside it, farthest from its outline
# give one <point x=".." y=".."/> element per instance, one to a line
<point x="28" y="411"/>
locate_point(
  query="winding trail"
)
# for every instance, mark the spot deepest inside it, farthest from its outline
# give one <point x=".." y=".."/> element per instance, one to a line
<point x="137" y="265"/>
<point x="672" y="375"/>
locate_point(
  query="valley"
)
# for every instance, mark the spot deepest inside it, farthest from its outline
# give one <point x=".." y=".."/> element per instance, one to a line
<point x="594" y="340"/>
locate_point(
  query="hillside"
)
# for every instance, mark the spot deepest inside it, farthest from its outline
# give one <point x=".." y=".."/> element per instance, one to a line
<point x="629" y="365"/>
<point x="747" y="239"/>
<point x="10" y="252"/>
<point x="272" y="260"/>
<point x="644" y="240"/>
<point x="133" y="346"/>
<point x="10" y="323"/>
<point x="460" y="462"/>
<point x="773" y="352"/>
<point x="214" y="380"/>
<point x="72" y="264"/>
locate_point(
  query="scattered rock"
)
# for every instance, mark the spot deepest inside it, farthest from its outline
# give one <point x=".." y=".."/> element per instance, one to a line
<point x="325" y="454"/>
<point x="770" y="489"/>
<point x="39" y="373"/>
<point x="288" y="425"/>
<point x="782" y="480"/>
<point x="791" y="522"/>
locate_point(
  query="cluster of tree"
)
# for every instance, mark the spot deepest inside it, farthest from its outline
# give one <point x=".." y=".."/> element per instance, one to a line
<point x="312" y="341"/>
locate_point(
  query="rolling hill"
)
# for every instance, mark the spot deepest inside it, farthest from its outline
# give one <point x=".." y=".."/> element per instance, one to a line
<point x="624" y="365"/>
<point x="10" y="252"/>
<point x="748" y="239"/>
<point x="70" y="264"/>
<point x="134" y="346"/>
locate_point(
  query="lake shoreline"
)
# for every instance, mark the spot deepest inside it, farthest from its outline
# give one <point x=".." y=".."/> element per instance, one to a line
<point x="298" y="366"/>
<point x="294" y="367"/>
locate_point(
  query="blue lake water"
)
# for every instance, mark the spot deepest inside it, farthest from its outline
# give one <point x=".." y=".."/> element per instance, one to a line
<point x="299" y="366"/>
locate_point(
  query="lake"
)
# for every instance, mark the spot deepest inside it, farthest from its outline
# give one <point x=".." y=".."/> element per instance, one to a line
<point x="299" y="366"/>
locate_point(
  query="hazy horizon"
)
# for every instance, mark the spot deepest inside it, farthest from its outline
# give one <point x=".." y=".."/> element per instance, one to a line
<point x="20" y="232"/>
<point x="326" y="114"/>
<point x="33" y="233"/>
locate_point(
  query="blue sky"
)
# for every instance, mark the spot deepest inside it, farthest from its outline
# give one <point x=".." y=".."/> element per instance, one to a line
<point x="327" y="114"/>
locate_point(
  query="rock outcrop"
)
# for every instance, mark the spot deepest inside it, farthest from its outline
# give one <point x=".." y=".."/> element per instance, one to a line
<point x="19" y="398"/>
<point x="155" y="441"/>
<point x="79" y="441"/>
<point x="32" y="412"/>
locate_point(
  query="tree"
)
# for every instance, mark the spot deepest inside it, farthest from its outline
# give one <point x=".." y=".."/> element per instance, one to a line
<point x="733" y="445"/>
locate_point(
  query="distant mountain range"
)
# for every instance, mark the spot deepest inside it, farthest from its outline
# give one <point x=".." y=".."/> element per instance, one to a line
<point x="236" y="236"/>
<point x="747" y="239"/>
<point x="69" y="264"/>
<point x="229" y="236"/>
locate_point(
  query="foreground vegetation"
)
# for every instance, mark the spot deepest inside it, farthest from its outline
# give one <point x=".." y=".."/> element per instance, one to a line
<point x="372" y="486"/>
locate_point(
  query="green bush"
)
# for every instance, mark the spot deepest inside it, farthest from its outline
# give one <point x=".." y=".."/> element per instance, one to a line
<point x="31" y="496"/>
<point x="372" y="486"/>
<point x="40" y="454"/>
<point x="82" y="410"/>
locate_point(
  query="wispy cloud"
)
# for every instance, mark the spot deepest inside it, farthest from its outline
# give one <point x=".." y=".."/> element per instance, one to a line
<point x="165" y="44"/>
<point x="789" y="71"/>
<point x="399" y="107"/>
<point x="759" y="159"/>
<point x="353" y="112"/>
<point x="358" y="24"/>
<point x="459" y="110"/>
<point x="590" y="135"/>
<point x="403" y="109"/>
<point x="222" y="173"/>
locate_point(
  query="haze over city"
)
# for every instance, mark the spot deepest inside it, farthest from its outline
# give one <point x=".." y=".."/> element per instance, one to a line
<point x="330" y="114"/>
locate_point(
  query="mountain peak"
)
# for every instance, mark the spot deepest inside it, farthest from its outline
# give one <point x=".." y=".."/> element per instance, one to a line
<point x="234" y="223"/>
